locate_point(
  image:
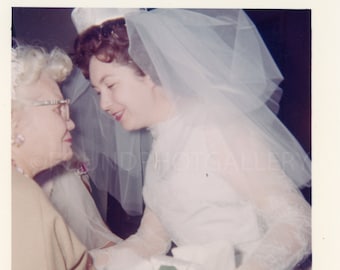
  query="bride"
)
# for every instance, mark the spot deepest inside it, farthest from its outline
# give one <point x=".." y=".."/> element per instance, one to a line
<point x="222" y="179"/>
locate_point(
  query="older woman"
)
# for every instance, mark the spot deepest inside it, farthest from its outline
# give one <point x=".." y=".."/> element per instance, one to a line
<point x="40" y="139"/>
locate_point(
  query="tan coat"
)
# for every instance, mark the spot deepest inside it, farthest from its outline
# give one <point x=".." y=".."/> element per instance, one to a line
<point x="40" y="238"/>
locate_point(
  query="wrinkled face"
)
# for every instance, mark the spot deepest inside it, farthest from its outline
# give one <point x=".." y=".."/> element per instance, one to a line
<point x="45" y="130"/>
<point x="124" y="95"/>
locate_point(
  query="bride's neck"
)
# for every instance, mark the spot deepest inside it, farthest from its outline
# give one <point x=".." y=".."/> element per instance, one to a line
<point x="165" y="107"/>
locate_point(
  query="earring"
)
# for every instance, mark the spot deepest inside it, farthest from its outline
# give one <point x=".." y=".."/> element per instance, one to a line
<point x="19" y="140"/>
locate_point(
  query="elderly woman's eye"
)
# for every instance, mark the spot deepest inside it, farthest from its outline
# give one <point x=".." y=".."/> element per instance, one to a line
<point x="58" y="110"/>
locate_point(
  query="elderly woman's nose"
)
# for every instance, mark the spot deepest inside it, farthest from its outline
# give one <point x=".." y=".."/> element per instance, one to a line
<point x="70" y="124"/>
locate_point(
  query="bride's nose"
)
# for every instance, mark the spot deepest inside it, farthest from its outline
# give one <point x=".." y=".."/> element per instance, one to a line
<point x="106" y="100"/>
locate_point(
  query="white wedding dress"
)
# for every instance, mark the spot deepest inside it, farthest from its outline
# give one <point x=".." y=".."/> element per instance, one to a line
<point x="226" y="204"/>
<point x="222" y="177"/>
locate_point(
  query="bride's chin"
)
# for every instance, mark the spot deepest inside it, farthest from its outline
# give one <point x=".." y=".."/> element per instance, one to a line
<point x="131" y="128"/>
<point x="127" y="127"/>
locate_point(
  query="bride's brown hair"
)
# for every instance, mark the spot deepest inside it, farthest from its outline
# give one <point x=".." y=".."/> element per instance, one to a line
<point x="108" y="42"/>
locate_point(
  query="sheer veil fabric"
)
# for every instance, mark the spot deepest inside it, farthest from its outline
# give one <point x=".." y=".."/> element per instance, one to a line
<point x="221" y="61"/>
<point x="214" y="56"/>
<point x="115" y="158"/>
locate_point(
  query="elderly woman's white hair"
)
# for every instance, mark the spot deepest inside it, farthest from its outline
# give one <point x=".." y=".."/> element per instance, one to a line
<point x="28" y="62"/>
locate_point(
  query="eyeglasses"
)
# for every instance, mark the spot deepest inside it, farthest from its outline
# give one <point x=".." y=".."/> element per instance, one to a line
<point x="64" y="106"/>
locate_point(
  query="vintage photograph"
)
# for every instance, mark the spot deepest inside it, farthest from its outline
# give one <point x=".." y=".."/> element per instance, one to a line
<point x="161" y="138"/>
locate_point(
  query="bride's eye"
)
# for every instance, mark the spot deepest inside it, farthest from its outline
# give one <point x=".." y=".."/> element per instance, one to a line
<point x="112" y="86"/>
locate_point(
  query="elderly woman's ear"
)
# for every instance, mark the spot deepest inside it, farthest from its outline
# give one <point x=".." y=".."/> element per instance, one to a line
<point x="17" y="139"/>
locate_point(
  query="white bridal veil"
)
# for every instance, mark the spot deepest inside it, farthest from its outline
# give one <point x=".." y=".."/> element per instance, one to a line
<point x="115" y="158"/>
<point x="222" y="61"/>
<point x="214" y="56"/>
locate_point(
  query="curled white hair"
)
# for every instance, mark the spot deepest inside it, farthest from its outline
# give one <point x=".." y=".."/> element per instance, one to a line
<point x="28" y="63"/>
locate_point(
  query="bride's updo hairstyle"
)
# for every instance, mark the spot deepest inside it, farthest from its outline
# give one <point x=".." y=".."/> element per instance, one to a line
<point x="108" y="42"/>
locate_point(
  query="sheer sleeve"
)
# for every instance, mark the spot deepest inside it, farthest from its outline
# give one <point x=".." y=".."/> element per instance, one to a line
<point x="150" y="239"/>
<point x="284" y="215"/>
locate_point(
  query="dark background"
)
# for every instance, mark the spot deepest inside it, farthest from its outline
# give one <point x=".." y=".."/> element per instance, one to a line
<point x="287" y="34"/>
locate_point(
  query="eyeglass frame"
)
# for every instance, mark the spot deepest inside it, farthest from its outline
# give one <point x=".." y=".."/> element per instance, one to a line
<point x="66" y="102"/>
